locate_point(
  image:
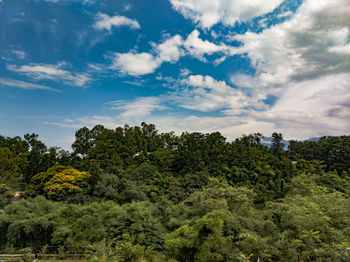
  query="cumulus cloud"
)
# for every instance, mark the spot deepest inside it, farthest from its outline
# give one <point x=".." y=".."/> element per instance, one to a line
<point x="312" y="108"/>
<point x="170" y="50"/>
<point x="51" y="72"/>
<point x="304" y="61"/>
<point x="210" y="12"/>
<point x="314" y="42"/>
<point x="197" y="47"/>
<point x="309" y="109"/>
<point x="106" y="22"/>
<point x="204" y="93"/>
<point x="24" y="85"/>
<point x="135" y="64"/>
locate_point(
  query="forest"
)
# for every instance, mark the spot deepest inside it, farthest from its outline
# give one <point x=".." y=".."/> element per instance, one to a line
<point x="135" y="194"/>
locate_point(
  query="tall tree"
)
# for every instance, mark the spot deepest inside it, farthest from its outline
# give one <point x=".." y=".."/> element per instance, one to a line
<point x="277" y="144"/>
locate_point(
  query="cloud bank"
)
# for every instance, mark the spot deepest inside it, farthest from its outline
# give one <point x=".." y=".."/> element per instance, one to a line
<point x="210" y="12"/>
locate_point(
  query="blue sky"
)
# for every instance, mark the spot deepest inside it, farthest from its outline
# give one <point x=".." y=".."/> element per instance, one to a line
<point x="234" y="66"/>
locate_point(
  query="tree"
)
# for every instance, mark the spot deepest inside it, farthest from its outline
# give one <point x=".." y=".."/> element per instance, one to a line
<point x="277" y="142"/>
<point x="38" y="159"/>
<point x="28" y="223"/>
<point x="6" y="195"/>
<point x="9" y="168"/>
<point x="204" y="240"/>
<point x="67" y="183"/>
<point x="60" y="183"/>
<point x="84" y="139"/>
<point x="140" y="222"/>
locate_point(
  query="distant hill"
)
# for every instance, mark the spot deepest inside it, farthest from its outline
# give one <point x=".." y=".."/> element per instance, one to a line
<point x="314" y="139"/>
<point x="267" y="141"/>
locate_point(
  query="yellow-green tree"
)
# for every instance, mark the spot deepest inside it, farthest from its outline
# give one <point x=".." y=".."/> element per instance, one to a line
<point x="60" y="183"/>
<point x="68" y="181"/>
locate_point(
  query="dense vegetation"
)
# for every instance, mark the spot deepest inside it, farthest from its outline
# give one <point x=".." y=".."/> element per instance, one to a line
<point x="133" y="194"/>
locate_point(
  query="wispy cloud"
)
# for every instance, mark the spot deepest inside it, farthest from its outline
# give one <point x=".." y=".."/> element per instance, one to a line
<point x="106" y="22"/>
<point x="24" y="85"/>
<point x="20" y="54"/>
<point x="51" y="72"/>
<point x="138" y="108"/>
<point x="88" y="121"/>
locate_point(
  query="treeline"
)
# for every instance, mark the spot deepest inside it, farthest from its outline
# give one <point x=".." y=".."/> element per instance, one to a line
<point x="134" y="194"/>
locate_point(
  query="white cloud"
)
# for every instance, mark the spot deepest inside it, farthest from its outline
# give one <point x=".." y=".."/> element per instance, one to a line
<point x="305" y="61"/>
<point x="197" y="47"/>
<point x="127" y="7"/>
<point x="313" y="43"/>
<point x="312" y="108"/>
<point x="168" y="123"/>
<point x="210" y="12"/>
<point x="340" y="49"/>
<point x="204" y="93"/>
<point x="138" y="108"/>
<point x="24" y="85"/>
<point x="88" y="121"/>
<point x="135" y="63"/>
<point x="106" y="22"/>
<point x="170" y="50"/>
<point x="20" y="54"/>
<point x="51" y="72"/>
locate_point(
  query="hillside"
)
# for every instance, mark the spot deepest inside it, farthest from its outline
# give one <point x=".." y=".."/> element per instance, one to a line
<point x="134" y="194"/>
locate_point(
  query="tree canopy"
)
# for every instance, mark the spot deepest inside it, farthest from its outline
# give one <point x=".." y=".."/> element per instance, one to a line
<point x="135" y="194"/>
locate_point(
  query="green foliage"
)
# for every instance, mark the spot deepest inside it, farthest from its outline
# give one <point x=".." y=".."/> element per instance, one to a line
<point x="107" y="186"/>
<point x="333" y="151"/>
<point x="134" y="194"/>
<point x="314" y="223"/>
<point x="140" y="222"/>
<point x="277" y="144"/>
<point x="204" y="240"/>
<point x="27" y="223"/>
<point x="6" y="195"/>
<point x="9" y="168"/>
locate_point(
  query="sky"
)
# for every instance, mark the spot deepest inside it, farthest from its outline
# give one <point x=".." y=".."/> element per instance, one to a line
<point x="233" y="66"/>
